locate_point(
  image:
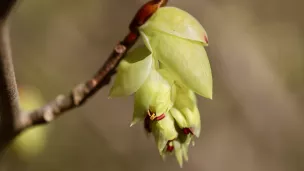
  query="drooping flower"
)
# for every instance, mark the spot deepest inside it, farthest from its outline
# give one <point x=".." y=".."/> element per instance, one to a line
<point x="163" y="75"/>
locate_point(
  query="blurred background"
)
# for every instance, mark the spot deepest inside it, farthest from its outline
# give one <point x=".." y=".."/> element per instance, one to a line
<point x="254" y="123"/>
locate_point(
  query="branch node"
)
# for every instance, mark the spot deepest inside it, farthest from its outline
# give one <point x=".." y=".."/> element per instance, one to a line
<point x="49" y="114"/>
<point x="120" y="48"/>
<point x="59" y="99"/>
<point x="79" y="93"/>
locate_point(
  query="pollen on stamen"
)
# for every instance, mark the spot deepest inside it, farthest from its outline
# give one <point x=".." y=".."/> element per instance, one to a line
<point x="151" y="115"/>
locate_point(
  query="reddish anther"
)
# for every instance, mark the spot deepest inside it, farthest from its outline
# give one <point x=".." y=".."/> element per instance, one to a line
<point x="147" y="121"/>
<point x="145" y="12"/>
<point x="170" y="147"/>
<point x="187" y="131"/>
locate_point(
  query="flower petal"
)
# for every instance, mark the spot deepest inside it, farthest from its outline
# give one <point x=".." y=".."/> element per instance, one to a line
<point x="176" y="22"/>
<point x="185" y="147"/>
<point x="186" y="104"/>
<point x="163" y="131"/>
<point x="179" y="118"/>
<point x="186" y="59"/>
<point x="185" y="98"/>
<point x="171" y="80"/>
<point x="194" y="120"/>
<point x="154" y="94"/>
<point x="178" y="152"/>
<point x="133" y="70"/>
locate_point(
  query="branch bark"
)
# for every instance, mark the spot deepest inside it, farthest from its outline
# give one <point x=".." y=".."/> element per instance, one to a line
<point x="18" y="122"/>
<point x="9" y="108"/>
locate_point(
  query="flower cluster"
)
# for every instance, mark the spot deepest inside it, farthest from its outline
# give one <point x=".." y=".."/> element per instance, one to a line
<point x="164" y="74"/>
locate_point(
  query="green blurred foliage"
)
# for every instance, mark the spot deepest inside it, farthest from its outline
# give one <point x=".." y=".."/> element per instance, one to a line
<point x="31" y="142"/>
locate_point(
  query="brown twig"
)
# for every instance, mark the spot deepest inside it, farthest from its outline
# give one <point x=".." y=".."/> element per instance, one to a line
<point x="9" y="107"/>
<point x="83" y="91"/>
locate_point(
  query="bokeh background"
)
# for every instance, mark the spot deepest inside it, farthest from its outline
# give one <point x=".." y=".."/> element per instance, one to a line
<point x="254" y="123"/>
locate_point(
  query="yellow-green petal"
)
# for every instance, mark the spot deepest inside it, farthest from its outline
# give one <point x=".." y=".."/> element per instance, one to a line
<point x="186" y="104"/>
<point x="194" y="120"/>
<point x="185" y="146"/>
<point x="154" y="94"/>
<point x="132" y="72"/>
<point x="163" y="131"/>
<point x="176" y="22"/>
<point x="178" y="150"/>
<point x="185" y="98"/>
<point x="186" y="59"/>
<point x="179" y="118"/>
<point x="171" y="80"/>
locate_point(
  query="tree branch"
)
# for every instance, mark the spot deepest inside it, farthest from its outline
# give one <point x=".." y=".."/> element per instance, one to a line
<point x="9" y="107"/>
<point x="83" y="91"/>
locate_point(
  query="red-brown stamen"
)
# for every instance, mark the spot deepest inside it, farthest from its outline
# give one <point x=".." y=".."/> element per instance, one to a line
<point x="151" y="117"/>
<point x="170" y="147"/>
<point x="187" y="131"/>
<point x="160" y="117"/>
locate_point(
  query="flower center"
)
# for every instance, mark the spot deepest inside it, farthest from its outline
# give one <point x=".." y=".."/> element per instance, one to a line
<point x="153" y="116"/>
